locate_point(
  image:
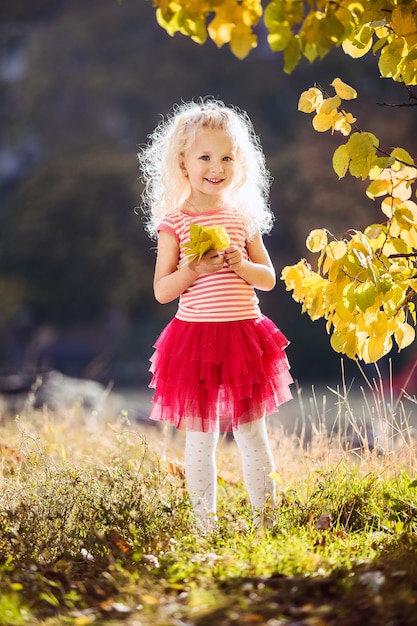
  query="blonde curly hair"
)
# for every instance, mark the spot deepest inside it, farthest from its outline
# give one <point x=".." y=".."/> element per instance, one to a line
<point x="166" y="188"/>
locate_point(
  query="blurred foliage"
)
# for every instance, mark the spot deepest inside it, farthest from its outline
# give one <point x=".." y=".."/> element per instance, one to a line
<point x="78" y="239"/>
<point x="29" y="9"/>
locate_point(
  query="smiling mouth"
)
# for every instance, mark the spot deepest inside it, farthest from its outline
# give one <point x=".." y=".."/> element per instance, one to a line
<point x="215" y="180"/>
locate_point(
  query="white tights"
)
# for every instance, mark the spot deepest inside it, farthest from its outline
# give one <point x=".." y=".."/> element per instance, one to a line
<point x="201" y="472"/>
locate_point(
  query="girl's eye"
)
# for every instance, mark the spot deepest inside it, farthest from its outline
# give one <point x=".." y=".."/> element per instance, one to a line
<point x="227" y="158"/>
<point x="205" y="157"/>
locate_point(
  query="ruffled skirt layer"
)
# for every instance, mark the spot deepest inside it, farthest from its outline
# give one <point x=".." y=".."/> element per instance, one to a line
<point x="218" y="375"/>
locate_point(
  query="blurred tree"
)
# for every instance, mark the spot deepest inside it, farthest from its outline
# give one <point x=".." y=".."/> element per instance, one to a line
<point x="77" y="247"/>
<point x="28" y="10"/>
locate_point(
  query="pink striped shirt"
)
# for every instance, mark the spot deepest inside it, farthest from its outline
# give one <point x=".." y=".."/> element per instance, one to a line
<point x="222" y="296"/>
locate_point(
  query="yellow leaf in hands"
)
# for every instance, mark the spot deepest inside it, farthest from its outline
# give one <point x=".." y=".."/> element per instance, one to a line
<point x="219" y="237"/>
<point x="204" y="238"/>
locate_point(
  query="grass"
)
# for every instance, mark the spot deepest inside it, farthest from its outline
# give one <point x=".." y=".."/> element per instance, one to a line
<point x="96" y="526"/>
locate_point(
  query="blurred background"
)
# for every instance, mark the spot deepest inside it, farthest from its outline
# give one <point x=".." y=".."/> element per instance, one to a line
<point x="82" y="85"/>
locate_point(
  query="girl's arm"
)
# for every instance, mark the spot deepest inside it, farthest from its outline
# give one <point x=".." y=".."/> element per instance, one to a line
<point x="169" y="282"/>
<point x="258" y="270"/>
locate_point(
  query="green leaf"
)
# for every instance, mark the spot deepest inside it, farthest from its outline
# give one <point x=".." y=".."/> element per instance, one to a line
<point x="279" y="18"/>
<point x="403" y="156"/>
<point x="338" y="341"/>
<point x="279" y="39"/>
<point x="362" y="151"/>
<point x="378" y="188"/>
<point x="314" y="42"/>
<point x="365" y="295"/>
<point x="360" y="43"/>
<point x="292" y="56"/>
<point x="408" y="71"/>
<point x="390" y="58"/>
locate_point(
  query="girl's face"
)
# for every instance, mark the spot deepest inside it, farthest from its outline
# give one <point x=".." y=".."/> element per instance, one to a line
<point x="209" y="163"/>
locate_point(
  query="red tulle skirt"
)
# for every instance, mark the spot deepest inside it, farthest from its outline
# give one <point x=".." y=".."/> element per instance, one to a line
<point x="212" y="376"/>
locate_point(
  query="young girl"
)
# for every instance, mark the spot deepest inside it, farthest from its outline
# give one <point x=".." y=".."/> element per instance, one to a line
<point x="220" y="364"/>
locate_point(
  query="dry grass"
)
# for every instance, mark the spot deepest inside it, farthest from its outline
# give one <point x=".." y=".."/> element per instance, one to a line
<point x="97" y="501"/>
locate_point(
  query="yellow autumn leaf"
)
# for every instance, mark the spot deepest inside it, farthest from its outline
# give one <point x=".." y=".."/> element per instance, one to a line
<point x="275" y="477"/>
<point x="388" y="206"/>
<point x="204" y="238"/>
<point x="409" y="236"/>
<point x="389" y="63"/>
<point x="359" y="43"/>
<point x="344" y="314"/>
<point x="399" y="182"/>
<point x="377" y="235"/>
<point x="343" y="90"/>
<point x="376" y="348"/>
<point x="341" y="160"/>
<point x="329" y="105"/>
<point x="403" y="22"/>
<point x="362" y="149"/>
<point x="343" y="123"/>
<point x="242" y="41"/>
<point x="322" y="122"/>
<point x="407" y="212"/>
<point x="378" y="188"/>
<point x="412" y="308"/>
<point x="343" y="340"/>
<point x="404" y="335"/>
<point x="316" y="240"/>
<point x="402" y="156"/>
<point x="336" y="250"/>
<point x="220" y="30"/>
<point x="310" y="100"/>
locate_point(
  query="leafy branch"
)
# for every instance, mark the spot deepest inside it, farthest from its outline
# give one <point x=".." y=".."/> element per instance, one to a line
<point x="365" y="282"/>
<point x="300" y="29"/>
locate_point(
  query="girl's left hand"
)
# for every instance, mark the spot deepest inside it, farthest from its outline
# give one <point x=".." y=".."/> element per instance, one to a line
<point x="233" y="258"/>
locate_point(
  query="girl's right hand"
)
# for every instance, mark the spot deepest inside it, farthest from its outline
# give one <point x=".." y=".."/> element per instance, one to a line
<point x="212" y="261"/>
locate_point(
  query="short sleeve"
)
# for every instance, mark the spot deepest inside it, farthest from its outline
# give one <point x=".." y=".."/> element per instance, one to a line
<point x="168" y="226"/>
